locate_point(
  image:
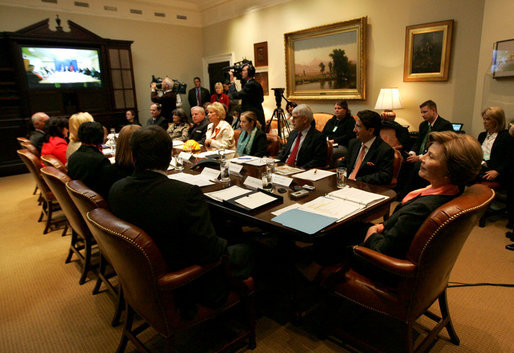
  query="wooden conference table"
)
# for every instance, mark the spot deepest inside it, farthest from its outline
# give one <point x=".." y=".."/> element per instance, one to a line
<point x="262" y="217"/>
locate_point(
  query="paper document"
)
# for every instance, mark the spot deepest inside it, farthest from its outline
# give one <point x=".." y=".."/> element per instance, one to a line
<point x="253" y="183"/>
<point x="281" y="180"/>
<point x="178" y="143"/>
<point x="255" y="200"/>
<point x="228" y="193"/>
<point x="112" y="160"/>
<point x="306" y="222"/>
<point x="199" y="180"/>
<point x="314" y="174"/>
<point x="287" y="170"/>
<point x="356" y="195"/>
<point x="332" y="207"/>
<point x="258" y="162"/>
<point x="210" y="173"/>
<point x="243" y="159"/>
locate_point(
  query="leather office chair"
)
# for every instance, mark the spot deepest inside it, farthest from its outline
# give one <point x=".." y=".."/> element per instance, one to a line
<point x="273" y="145"/>
<point x="81" y="238"/>
<point x="330" y="152"/>
<point x="321" y="120"/>
<point x="397" y="165"/>
<point x="32" y="149"/>
<point x="25" y="140"/>
<point x="237" y="133"/>
<point x="86" y="200"/>
<point x="149" y="286"/>
<point x="51" y="161"/>
<point x="422" y="277"/>
<point x="49" y="203"/>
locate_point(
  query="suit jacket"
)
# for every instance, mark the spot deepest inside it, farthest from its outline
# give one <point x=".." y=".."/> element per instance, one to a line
<point x="440" y="125"/>
<point x="197" y="132"/>
<point x="204" y="94"/>
<point x="400" y="228"/>
<point x="87" y="164"/>
<point x="251" y="96"/>
<point x="168" y="101"/>
<point x="344" y="129"/>
<point x="36" y="138"/>
<point x="160" y="121"/>
<point x="501" y="151"/>
<point x="312" y="153"/>
<point x="377" y="166"/>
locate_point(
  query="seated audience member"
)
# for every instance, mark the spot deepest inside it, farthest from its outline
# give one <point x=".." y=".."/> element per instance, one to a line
<point x="56" y="132"/>
<point x="306" y="147"/>
<point x="219" y="96"/>
<point x="369" y="158"/>
<point x="75" y="121"/>
<point x="452" y="161"/>
<point x="175" y="215"/>
<point x="88" y="162"/>
<point x="156" y="118"/>
<point x="37" y="136"/>
<point x="236" y="117"/>
<point x="496" y="145"/>
<point x="166" y="98"/>
<point x="252" y="140"/>
<point x="339" y="129"/>
<point x="130" y="116"/>
<point x="219" y="134"/>
<point x="200" y="123"/>
<point x="179" y="128"/>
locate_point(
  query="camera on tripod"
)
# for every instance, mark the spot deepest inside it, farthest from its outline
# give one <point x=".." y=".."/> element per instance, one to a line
<point x="178" y="87"/>
<point x="279" y="93"/>
<point x="237" y="69"/>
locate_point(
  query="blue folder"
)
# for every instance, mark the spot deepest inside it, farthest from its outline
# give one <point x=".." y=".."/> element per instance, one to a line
<point x="303" y="221"/>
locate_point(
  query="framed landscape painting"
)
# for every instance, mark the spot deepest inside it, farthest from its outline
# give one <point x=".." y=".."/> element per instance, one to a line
<point x="427" y="51"/>
<point x="327" y="62"/>
<point x="503" y="58"/>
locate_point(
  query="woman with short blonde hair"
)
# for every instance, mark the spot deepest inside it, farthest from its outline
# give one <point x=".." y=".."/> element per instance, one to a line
<point x="219" y="134"/>
<point x="75" y="121"/>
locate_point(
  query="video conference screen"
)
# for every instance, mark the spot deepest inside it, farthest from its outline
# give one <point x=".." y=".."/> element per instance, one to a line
<point x="61" y="67"/>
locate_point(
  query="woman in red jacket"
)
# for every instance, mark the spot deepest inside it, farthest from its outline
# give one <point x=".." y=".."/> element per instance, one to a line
<point x="56" y="132"/>
<point x="219" y="96"/>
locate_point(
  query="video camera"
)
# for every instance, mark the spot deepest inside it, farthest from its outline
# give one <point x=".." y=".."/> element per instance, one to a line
<point x="178" y="87"/>
<point x="237" y="69"/>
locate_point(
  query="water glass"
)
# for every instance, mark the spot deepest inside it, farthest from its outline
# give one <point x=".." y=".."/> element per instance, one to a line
<point x="341" y="177"/>
<point x="179" y="162"/>
<point x="270" y="165"/>
<point x="224" y="171"/>
<point x="266" y="180"/>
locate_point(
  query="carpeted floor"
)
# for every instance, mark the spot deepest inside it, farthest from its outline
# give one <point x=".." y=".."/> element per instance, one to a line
<point x="44" y="309"/>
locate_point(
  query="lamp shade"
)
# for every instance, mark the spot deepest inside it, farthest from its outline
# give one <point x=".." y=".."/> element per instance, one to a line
<point x="389" y="99"/>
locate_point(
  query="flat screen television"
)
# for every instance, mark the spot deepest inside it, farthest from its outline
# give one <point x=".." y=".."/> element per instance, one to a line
<point x="48" y="67"/>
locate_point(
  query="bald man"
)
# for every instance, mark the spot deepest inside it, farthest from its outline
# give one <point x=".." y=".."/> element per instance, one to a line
<point x="38" y="121"/>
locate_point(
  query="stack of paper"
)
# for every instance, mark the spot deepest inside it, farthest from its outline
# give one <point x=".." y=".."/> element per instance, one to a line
<point x="314" y="174"/>
<point x="287" y="170"/>
<point x="203" y="179"/>
<point x="228" y="193"/>
<point x="358" y="196"/>
<point x="255" y="200"/>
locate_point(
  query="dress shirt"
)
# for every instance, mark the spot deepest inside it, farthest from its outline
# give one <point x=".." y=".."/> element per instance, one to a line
<point x="368" y="146"/>
<point x="487" y="145"/>
<point x="302" y="136"/>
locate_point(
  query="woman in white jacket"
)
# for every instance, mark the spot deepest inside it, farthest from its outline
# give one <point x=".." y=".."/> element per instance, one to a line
<point x="219" y="133"/>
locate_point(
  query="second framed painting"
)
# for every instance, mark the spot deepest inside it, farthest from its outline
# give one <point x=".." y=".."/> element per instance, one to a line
<point x="327" y="62"/>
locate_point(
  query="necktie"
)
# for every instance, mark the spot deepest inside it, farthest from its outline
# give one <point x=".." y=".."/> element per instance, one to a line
<point x="359" y="162"/>
<point x="294" y="151"/>
<point x="198" y="96"/>
<point x="425" y="139"/>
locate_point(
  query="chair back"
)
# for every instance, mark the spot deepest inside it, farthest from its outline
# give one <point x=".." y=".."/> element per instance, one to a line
<point x="84" y="198"/>
<point x="51" y="160"/>
<point x="22" y="140"/>
<point x="138" y="263"/>
<point x="330" y="152"/>
<point x="29" y="146"/>
<point x="437" y="244"/>
<point x="33" y="164"/>
<point x="397" y="165"/>
<point x="237" y="133"/>
<point x="56" y="181"/>
<point x="273" y="145"/>
<point x="321" y="120"/>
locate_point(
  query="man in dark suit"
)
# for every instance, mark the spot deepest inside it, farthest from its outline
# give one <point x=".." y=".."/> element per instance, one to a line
<point x="156" y="118"/>
<point x="198" y="95"/>
<point x="38" y="121"/>
<point x="200" y="123"/>
<point x="369" y="158"/>
<point x="251" y="93"/>
<point x="173" y="213"/>
<point x="166" y="98"/>
<point x="306" y="147"/>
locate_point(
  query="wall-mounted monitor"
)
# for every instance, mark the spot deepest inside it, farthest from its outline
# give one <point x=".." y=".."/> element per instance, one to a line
<point x="58" y="67"/>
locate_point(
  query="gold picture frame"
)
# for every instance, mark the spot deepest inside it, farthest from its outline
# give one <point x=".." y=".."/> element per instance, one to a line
<point x="427" y="51"/>
<point x="327" y="62"/>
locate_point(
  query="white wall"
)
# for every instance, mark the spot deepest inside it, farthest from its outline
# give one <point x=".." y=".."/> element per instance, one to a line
<point x="386" y="35"/>
<point x="493" y="92"/>
<point x="159" y="49"/>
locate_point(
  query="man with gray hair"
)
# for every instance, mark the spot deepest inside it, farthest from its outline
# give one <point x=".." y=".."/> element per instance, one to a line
<point x="165" y="97"/>
<point x="36" y="137"/>
<point x="306" y="147"/>
<point x="200" y="123"/>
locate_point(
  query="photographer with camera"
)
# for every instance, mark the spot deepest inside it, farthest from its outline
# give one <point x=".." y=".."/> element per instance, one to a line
<point x="251" y="93"/>
<point x="165" y="96"/>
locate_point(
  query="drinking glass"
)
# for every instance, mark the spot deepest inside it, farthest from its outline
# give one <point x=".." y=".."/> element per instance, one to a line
<point x="224" y="171"/>
<point x="266" y="180"/>
<point x="341" y="177"/>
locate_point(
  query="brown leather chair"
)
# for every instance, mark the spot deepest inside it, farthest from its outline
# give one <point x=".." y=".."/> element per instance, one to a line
<point x="49" y="203"/>
<point x="149" y="286"/>
<point x="330" y="151"/>
<point x="86" y="200"/>
<point x="397" y="165"/>
<point x="321" y="120"/>
<point x="273" y="145"/>
<point x="32" y="149"/>
<point x="51" y="161"/>
<point x="418" y="280"/>
<point x="81" y="238"/>
<point x="22" y="140"/>
<point x="237" y="133"/>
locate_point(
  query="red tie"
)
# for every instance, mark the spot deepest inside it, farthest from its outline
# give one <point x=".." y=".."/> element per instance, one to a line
<point x="294" y="152"/>
<point x="358" y="164"/>
<point x="198" y="96"/>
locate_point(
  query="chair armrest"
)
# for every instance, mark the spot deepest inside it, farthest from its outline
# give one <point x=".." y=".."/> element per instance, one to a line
<point x="399" y="267"/>
<point x="173" y="280"/>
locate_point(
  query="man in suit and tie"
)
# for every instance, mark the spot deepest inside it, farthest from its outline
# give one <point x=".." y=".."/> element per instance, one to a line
<point x="369" y="158"/>
<point x="198" y="95"/>
<point x="306" y="147"/>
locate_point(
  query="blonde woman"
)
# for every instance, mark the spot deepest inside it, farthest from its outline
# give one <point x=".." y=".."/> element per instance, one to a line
<point x="219" y="96"/>
<point x="75" y="121"/>
<point x="219" y="134"/>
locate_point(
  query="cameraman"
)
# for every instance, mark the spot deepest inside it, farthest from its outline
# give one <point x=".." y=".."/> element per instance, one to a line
<point x="251" y="93"/>
<point x="166" y="98"/>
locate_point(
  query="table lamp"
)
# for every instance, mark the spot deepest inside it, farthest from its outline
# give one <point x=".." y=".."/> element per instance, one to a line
<point x="388" y="99"/>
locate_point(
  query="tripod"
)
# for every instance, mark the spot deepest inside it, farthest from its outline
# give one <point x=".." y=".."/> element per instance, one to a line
<point x="279" y="116"/>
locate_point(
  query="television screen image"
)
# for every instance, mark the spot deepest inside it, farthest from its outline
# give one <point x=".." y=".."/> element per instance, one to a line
<point x="61" y="67"/>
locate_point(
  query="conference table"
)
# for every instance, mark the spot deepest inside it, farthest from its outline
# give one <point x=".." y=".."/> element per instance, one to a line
<point x="262" y="217"/>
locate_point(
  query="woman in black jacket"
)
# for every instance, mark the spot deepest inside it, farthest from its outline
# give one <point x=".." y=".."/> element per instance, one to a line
<point x="252" y="140"/>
